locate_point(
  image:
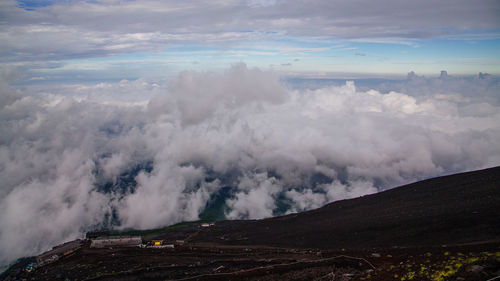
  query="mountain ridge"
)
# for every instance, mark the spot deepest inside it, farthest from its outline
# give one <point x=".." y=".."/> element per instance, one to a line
<point x="458" y="208"/>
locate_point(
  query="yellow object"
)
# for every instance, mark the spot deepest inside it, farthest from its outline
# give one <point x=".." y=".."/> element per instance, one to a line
<point x="157" y="243"/>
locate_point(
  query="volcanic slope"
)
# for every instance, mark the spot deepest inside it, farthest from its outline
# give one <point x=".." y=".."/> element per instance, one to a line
<point x="455" y="209"/>
<point x="358" y="239"/>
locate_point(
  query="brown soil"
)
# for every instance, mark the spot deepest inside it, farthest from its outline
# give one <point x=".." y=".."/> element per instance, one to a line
<point x="211" y="262"/>
<point x="446" y="228"/>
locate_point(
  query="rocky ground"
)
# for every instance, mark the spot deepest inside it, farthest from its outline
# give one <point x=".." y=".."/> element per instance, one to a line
<point x="212" y="262"/>
<point x="446" y="228"/>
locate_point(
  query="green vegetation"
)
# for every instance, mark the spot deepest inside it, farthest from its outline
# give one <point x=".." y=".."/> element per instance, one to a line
<point x="216" y="207"/>
<point x="438" y="267"/>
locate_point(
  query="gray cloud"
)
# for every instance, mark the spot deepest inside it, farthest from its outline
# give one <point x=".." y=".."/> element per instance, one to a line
<point x="65" y="153"/>
<point x="97" y="28"/>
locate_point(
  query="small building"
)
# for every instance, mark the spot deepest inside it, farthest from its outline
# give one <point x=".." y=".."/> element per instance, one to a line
<point x="59" y="251"/>
<point x="116" y="241"/>
<point x="162" y="246"/>
<point x="157" y="242"/>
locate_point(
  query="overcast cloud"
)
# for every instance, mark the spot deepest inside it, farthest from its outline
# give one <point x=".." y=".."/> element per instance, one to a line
<point x="202" y="131"/>
<point x="71" y="29"/>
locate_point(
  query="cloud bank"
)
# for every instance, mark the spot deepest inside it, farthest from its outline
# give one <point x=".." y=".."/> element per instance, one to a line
<point x="145" y="154"/>
<point x="80" y="29"/>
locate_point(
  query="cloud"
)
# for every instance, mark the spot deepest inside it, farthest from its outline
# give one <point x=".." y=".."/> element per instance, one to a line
<point x="256" y="197"/>
<point x="7" y="76"/>
<point x="193" y="94"/>
<point x="145" y="154"/>
<point x="69" y="29"/>
<point x="261" y="3"/>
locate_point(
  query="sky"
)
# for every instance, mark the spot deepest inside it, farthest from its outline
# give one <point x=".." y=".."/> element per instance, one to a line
<point x="137" y="114"/>
<point x="82" y="41"/>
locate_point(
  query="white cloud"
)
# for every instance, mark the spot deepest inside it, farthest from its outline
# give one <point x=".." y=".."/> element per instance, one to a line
<point x="240" y="128"/>
<point x="102" y="28"/>
<point x="256" y="198"/>
<point x="261" y="3"/>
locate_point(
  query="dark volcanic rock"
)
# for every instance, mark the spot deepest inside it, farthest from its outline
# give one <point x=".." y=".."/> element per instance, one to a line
<point x="408" y="226"/>
<point x="460" y="208"/>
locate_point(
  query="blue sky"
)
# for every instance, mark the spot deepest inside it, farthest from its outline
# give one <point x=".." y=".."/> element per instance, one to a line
<point x="59" y="41"/>
<point x="31" y="5"/>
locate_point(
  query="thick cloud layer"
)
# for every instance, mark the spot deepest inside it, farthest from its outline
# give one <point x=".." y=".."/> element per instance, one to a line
<point x="146" y="154"/>
<point x="69" y="29"/>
